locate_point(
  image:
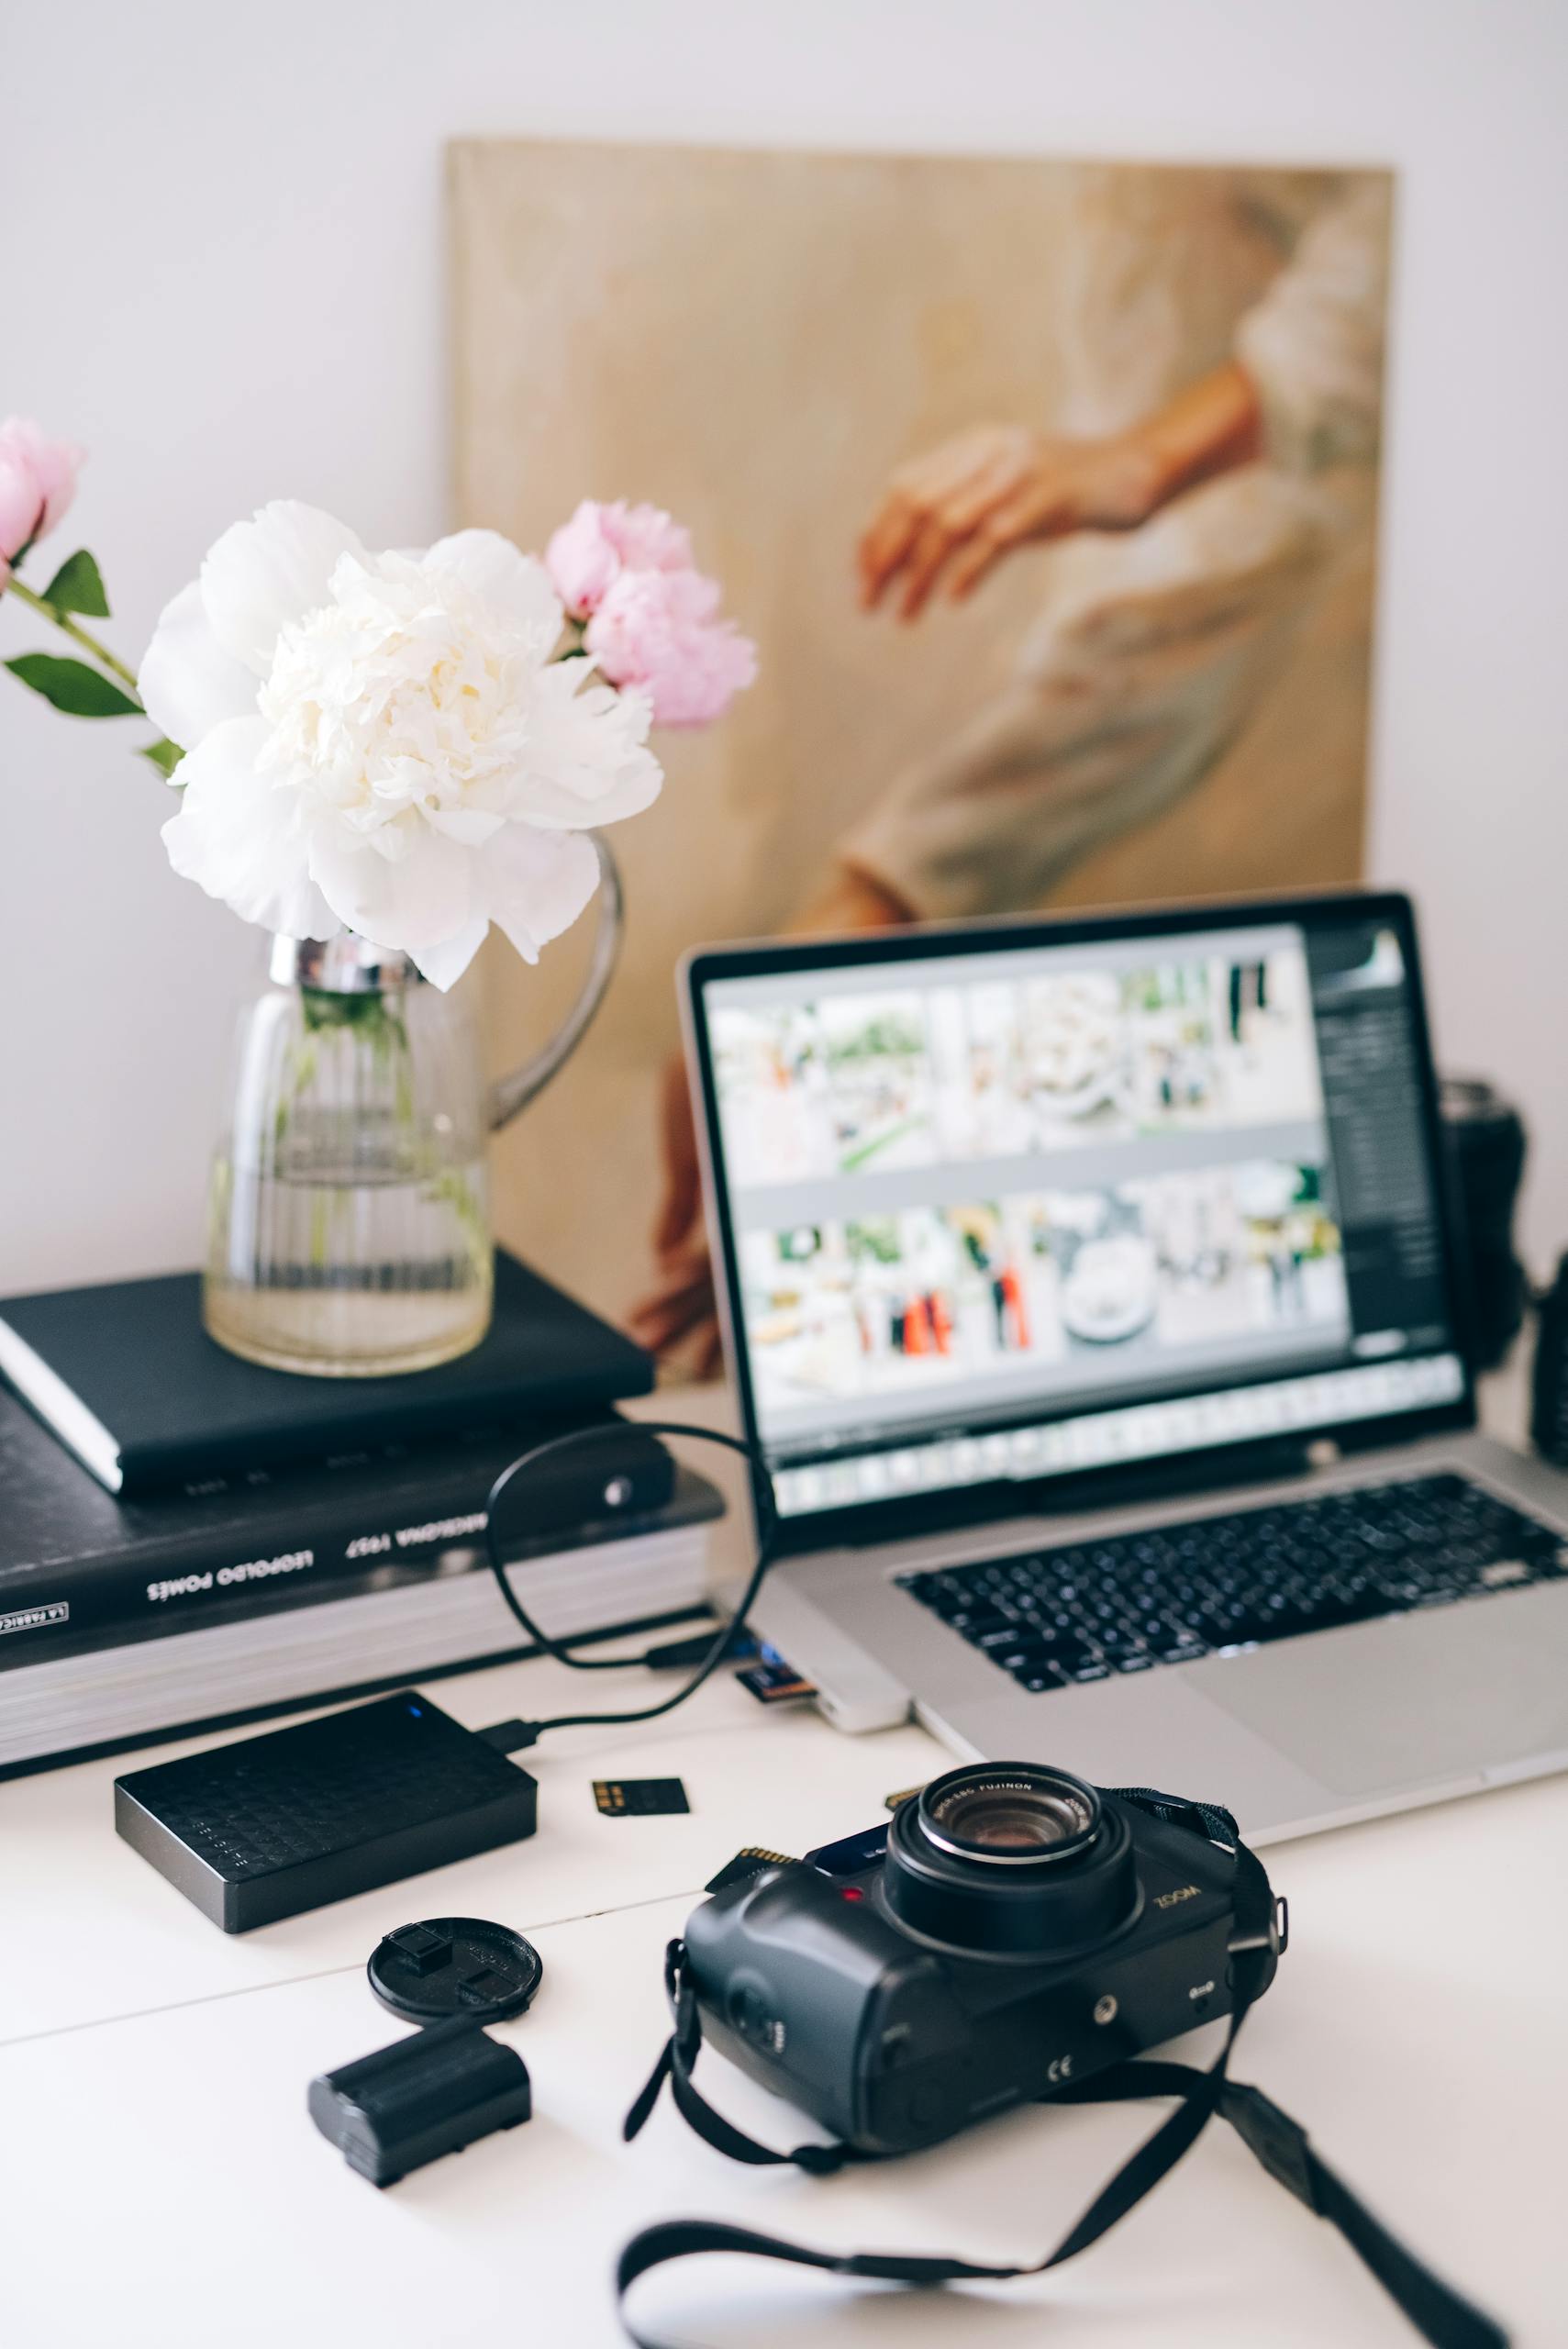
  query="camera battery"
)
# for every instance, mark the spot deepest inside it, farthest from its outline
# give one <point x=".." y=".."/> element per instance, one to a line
<point x="428" y="2095"/>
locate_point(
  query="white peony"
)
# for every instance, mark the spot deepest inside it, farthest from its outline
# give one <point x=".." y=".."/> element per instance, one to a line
<point x="382" y="743"/>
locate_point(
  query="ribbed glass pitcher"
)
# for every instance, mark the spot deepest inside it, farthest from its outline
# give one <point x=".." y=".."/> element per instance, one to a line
<point x="349" y="1219"/>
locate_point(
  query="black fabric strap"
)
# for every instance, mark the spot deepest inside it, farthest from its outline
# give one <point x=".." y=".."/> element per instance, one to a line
<point x="1440" y="2314"/>
<point x="676" y="2059"/>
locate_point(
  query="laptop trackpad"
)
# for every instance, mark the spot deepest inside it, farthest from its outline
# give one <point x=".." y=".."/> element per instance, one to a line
<point x="1438" y="1694"/>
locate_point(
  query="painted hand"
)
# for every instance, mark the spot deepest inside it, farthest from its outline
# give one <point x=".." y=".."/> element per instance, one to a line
<point x="679" y="1316"/>
<point x="951" y="516"/>
<point x="678" y="1312"/>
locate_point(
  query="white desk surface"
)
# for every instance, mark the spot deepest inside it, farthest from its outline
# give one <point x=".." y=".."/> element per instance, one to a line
<point x="161" y="2183"/>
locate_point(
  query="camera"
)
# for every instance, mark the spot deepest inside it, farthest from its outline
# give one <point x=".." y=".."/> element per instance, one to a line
<point x="1011" y="1931"/>
<point x="1011" y="1935"/>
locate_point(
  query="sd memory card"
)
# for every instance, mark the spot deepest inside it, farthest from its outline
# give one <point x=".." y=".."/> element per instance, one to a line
<point x="774" y="1684"/>
<point x="639" y="1797"/>
<point x="748" y="1861"/>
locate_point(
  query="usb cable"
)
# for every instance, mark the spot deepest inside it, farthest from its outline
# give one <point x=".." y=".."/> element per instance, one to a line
<point x="705" y="1654"/>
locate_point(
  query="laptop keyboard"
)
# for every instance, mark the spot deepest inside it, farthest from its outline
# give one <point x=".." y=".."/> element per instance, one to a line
<point x="1216" y="1585"/>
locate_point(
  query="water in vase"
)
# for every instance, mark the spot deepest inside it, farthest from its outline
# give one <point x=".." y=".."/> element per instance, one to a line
<point x="348" y="1231"/>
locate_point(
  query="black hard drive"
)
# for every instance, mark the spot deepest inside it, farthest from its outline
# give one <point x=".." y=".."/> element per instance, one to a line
<point x="275" y="1824"/>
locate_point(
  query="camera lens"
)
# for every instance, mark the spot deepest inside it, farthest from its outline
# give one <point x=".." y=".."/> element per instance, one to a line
<point x="1007" y="1819"/>
<point x="1010" y="1860"/>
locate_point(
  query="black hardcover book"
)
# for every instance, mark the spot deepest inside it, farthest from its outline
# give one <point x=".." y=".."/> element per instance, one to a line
<point x="81" y="1569"/>
<point x="127" y="1376"/>
<point x="228" y="1656"/>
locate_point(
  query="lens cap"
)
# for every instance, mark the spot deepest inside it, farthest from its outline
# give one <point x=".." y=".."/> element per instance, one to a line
<point x="455" y="1966"/>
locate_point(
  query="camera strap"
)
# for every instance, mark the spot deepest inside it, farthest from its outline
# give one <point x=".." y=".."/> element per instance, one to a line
<point x="1440" y="2314"/>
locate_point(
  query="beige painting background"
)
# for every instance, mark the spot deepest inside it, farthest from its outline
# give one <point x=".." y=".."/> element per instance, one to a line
<point x="755" y="340"/>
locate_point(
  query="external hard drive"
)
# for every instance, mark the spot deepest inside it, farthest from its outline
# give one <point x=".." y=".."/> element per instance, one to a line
<point x="275" y="1824"/>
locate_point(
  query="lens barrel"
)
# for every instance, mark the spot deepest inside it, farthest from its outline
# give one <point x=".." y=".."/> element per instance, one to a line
<point x="1009" y="1859"/>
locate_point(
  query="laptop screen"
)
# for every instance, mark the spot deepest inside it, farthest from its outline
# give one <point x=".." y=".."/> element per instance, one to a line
<point x="1013" y="1203"/>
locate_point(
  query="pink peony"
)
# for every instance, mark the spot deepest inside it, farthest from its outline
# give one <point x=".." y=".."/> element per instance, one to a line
<point x="646" y="539"/>
<point x="38" y="481"/>
<point x="588" y="554"/>
<point x="656" y="630"/>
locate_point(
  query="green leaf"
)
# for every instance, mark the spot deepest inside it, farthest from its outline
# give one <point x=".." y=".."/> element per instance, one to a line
<point x="70" y="686"/>
<point x="165" y="756"/>
<point x="78" y="586"/>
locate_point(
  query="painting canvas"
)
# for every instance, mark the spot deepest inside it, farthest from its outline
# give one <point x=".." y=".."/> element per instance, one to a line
<point x="1048" y="490"/>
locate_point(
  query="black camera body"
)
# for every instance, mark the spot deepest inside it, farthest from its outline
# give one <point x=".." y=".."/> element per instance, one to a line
<point x="1010" y="1931"/>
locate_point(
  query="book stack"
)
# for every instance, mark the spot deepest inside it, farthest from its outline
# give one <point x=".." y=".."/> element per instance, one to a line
<point x="189" y="1540"/>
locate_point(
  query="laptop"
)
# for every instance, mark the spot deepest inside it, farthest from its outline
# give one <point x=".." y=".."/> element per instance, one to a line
<point x="1092" y="1289"/>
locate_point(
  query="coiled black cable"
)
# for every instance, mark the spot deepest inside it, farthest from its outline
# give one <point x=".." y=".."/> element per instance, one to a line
<point x="767" y="1516"/>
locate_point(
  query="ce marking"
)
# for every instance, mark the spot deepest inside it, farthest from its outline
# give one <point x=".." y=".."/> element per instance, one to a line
<point x="1060" y="2069"/>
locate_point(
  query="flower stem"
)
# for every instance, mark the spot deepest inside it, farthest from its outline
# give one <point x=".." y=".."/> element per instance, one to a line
<point x="100" y="652"/>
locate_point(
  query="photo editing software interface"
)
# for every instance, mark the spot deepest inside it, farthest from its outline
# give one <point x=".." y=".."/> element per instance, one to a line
<point x="1019" y="1213"/>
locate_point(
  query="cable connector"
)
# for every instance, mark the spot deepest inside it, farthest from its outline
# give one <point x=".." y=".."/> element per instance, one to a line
<point x="510" y="1737"/>
<point x="680" y="1655"/>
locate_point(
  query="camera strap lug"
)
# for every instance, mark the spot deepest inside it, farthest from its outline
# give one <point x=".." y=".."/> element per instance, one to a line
<point x="1274" y="1936"/>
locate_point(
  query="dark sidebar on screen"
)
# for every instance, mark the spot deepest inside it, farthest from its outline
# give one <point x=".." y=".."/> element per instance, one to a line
<point x="1387" y="1207"/>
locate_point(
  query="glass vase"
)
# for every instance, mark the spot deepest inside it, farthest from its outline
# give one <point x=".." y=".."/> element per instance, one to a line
<point x="348" y="1218"/>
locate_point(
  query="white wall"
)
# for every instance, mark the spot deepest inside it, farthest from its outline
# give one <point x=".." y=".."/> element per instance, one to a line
<point x="223" y="270"/>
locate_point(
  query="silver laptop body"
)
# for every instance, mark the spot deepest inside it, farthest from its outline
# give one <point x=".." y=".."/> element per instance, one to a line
<point x="1035" y="1238"/>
